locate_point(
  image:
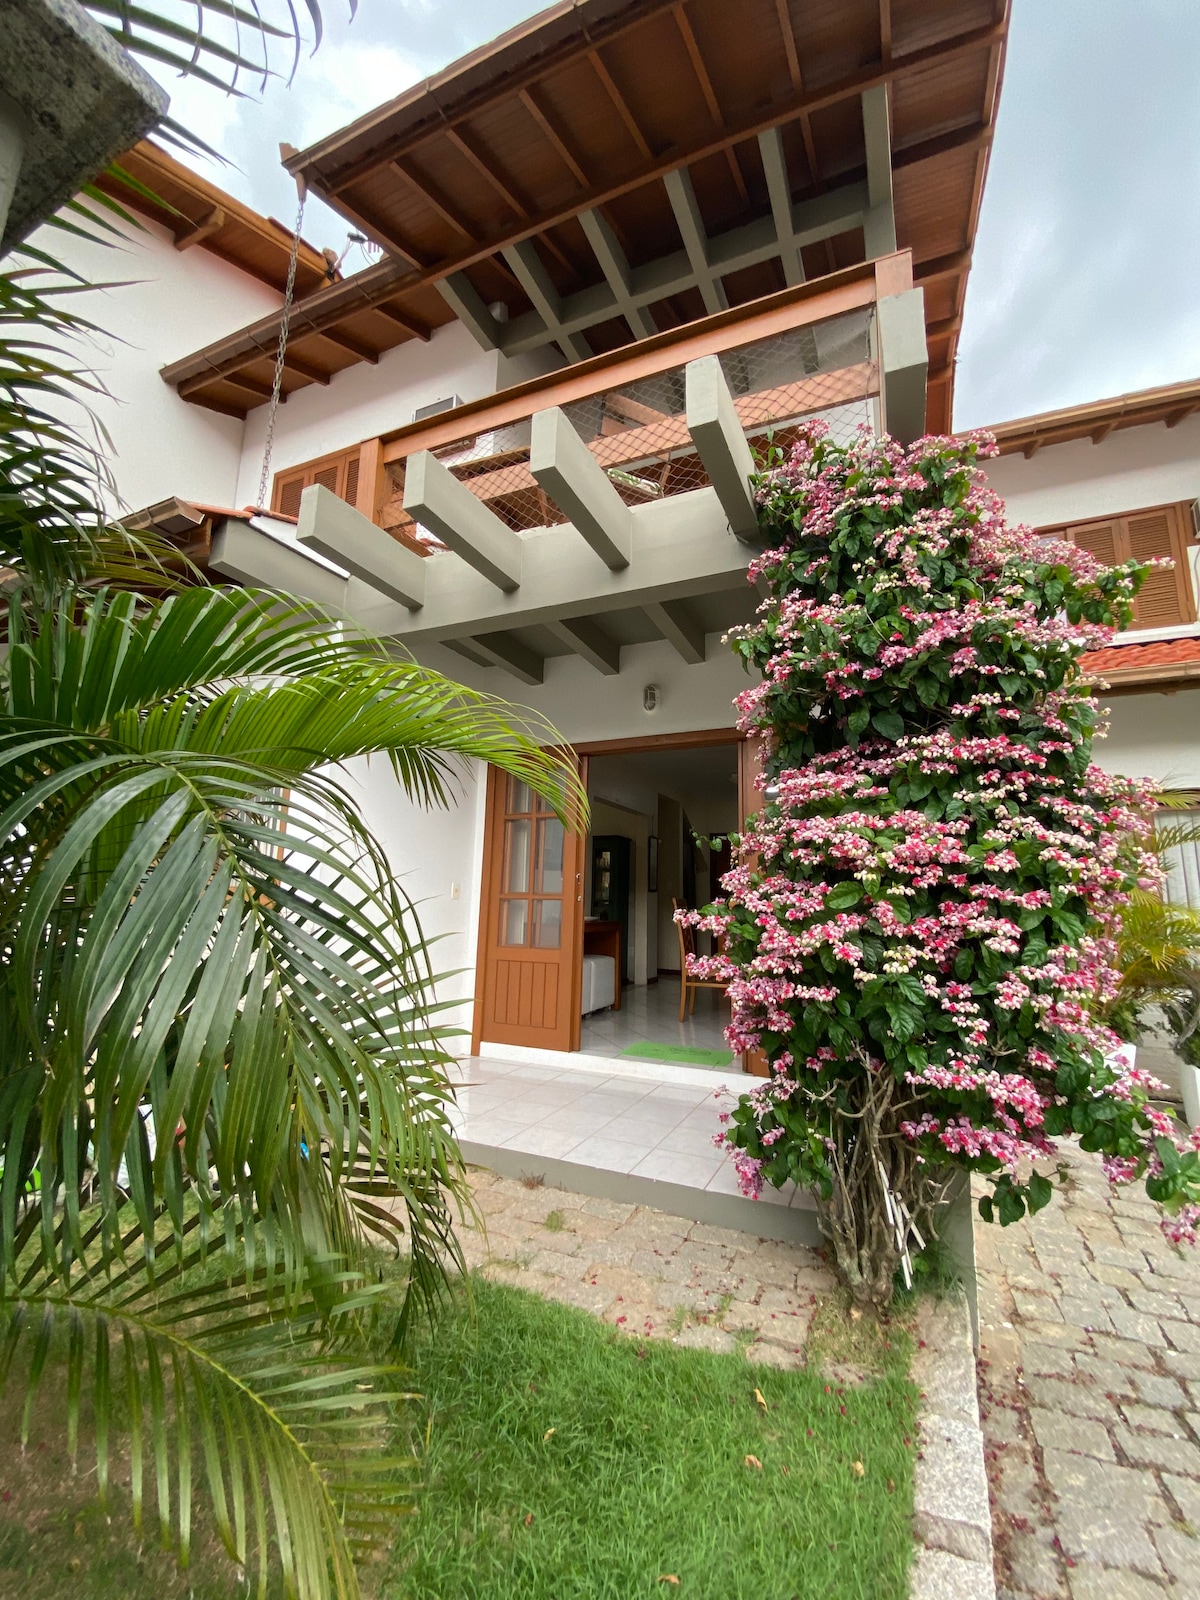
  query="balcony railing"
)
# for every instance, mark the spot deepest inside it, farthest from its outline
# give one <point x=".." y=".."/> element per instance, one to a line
<point x="813" y="350"/>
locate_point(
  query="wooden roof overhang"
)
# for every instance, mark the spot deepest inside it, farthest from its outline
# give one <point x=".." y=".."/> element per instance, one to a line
<point x="196" y="212"/>
<point x="613" y="168"/>
<point x="1170" y="404"/>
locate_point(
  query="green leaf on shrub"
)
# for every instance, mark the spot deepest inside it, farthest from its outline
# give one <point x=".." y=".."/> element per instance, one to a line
<point x="1040" y="1192"/>
<point x="1012" y="1207"/>
<point x="889" y="723"/>
<point x="843" y="895"/>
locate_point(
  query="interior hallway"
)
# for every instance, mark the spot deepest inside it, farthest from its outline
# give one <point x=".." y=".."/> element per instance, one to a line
<point x="650" y="1014"/>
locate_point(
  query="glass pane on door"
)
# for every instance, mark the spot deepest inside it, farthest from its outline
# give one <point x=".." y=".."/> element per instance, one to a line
<point x="514" y="921"/>
<point x="520" y="797"/>
<point x="548" y="869"/>
<point x="547" y="924"/>
<point x="516" y="856"/>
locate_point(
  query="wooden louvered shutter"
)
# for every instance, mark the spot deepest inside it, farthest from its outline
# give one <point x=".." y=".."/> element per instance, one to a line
<point x="1100" y="539"/>
<point x="350" y="492"/>
<point x="1165" y="598"/>
<point x="328" y="476"/>
<point x="287" y="495"/>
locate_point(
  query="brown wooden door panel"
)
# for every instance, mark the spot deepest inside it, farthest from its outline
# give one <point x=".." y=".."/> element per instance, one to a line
<point x="530" y="962"/>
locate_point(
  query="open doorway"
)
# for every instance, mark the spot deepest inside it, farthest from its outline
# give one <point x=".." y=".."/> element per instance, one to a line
<point x="655" y="812"/>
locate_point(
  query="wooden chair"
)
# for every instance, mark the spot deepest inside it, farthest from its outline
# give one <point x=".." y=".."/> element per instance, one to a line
<point x="688" y="986"/>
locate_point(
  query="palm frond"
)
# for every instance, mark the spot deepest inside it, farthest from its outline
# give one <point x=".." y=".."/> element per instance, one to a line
<point x="292" y="1427"/>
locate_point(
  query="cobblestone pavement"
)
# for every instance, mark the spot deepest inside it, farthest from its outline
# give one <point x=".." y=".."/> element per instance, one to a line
<point x="651" y="1274"/>
<point x="1090" y="1388"/>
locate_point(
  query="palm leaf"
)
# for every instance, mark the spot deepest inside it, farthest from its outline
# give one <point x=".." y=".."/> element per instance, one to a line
<point x="288" y="1418"/>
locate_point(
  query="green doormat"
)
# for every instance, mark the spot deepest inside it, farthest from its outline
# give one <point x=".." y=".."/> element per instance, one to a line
<point x="683" y="1054"/>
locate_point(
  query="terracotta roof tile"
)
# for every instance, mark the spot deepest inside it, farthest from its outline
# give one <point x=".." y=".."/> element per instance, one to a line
<point x="1157" y="653"/>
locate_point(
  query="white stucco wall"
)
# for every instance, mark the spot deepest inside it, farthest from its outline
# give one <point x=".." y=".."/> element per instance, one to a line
<point x="1134" y="467"/>
<point x="1154" y="736"/>
<point x="433" y="853"/>
<point x="164" y="303"/>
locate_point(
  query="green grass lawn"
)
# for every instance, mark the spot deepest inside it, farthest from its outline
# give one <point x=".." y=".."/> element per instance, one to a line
<point x="565" y="1462"/>
<point x="568" y="1462"/>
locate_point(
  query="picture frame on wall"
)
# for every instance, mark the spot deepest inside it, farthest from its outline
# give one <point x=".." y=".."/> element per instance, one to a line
<point x="652" y="864"/>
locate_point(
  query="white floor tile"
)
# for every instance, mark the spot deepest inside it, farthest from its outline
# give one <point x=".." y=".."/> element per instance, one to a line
<point x="616" y="1155"/>
<point x="690" y="1141"/>
<point x="571" y="1118"/>
<point x="539" y="1141"/>
<point x="670" y="1167"/>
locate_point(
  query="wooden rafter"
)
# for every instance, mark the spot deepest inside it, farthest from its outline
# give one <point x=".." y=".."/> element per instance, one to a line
<point x="360" y="351"/>
<point x="486" y="170"/>
<point x="212" y="222"/>
<point x="296" y="363"/>
<point x="885" y="31"/>
<point x="404" y="319"/>
<point x="434" y="197"/>
<point x="619" y="101"/>
<point x="789" y="44"/>
<point x="710" y="99"/>
<point x="251" y="385"/>
<point x="697" y="60"/>
<point x="541" y="115"/>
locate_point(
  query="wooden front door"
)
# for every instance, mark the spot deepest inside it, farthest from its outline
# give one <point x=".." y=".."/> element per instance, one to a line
<point x="531" y="923"/>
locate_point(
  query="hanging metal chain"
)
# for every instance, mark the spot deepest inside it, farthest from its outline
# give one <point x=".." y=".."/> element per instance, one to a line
<point x="276" y="387"/>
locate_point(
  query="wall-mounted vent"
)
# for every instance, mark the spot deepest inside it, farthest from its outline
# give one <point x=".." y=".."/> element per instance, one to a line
<point x="436" y="408"/>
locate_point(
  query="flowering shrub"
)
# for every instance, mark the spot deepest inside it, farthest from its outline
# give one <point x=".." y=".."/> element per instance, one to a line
<point x="918" y="931"/>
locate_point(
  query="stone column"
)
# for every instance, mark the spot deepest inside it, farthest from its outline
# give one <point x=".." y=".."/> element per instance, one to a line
<point x="13" y="129"/>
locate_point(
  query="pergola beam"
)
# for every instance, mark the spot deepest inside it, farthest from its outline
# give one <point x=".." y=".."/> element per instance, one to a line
<point x="464" y="299"/>
<point x="712" y="421"/>
<point x="823" y="217"/>
<point x="503" y="650"/>
<point x="879" y="225"/>
<point x="527" y="267"/>
<point x="344" y="536"/>
<point x="587" y="639"/>
<point x="569" y="473"/>
<point x="779" y="191"/>
<point x="436" y="499"/>
<point x="615" y="266"/>
<point x="678" y="627"/>
<point x="690" y="223"/>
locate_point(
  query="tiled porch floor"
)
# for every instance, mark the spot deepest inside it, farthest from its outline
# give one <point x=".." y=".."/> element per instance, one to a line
<point x="642" y="1138"/>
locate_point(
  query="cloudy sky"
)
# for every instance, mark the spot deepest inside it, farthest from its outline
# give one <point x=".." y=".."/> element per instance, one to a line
<point x="1086" y="279"/>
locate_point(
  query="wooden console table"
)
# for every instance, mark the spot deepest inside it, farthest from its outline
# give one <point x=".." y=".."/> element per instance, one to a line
<point x="604" y="939"/>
